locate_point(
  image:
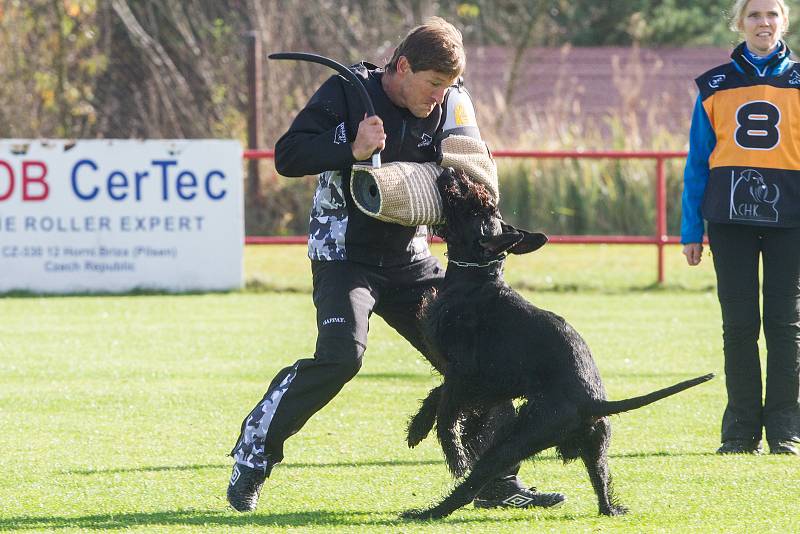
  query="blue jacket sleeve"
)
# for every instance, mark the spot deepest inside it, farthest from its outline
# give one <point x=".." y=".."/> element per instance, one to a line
<point x="702" y="141"/>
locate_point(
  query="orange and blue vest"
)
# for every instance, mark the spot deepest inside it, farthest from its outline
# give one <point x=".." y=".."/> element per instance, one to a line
<point x="744" y="158"/>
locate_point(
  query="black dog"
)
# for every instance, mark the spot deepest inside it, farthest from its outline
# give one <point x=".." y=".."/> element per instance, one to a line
<point x="499" y="347"/>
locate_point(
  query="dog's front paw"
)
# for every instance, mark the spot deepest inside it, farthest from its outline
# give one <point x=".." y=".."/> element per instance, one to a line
<point x="414" y="440"/>
<point x="458" y="463"/>
<point x="417" y="515"/>
<point x="424" y="515"/>
<point x="418" y="429"/>
<point x="615" y="509"/>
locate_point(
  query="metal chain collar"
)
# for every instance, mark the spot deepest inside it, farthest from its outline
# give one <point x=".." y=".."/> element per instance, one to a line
<point x="477" y="265"/>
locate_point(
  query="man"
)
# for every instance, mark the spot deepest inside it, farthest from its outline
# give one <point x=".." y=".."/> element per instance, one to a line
<point x="359" y="264"/>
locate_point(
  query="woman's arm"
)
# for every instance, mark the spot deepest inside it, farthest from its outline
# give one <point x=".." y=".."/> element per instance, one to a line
<point x="702" y="141"/>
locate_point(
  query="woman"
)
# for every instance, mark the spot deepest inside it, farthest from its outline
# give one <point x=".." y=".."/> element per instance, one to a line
<point x="743" y="176"/>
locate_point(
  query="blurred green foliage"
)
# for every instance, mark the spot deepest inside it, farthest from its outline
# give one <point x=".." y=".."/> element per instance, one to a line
<point x="588" y="196"/>
<point x="146" y="68"/>
<point x="154" y="69"/>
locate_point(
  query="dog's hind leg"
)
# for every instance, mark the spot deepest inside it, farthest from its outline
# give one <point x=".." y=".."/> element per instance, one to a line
<point x="452" y="405"/>
<point x="534" y="431"/>
<point x="485" y="426"/>
<point x="421" y="424"/>
<point x="594" y="453"/>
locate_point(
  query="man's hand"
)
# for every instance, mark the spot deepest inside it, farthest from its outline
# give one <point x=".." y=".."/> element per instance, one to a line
<point x="693" y="253"/>
<point x="370" y="137"/>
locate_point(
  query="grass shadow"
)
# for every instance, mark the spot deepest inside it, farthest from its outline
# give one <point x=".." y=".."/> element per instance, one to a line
<point x="660" y="454"/>
<point x="206" y="518"/>
<point x="282" y="466"/>
<point x="370" y="463"/>
<point x="589" y="288"/>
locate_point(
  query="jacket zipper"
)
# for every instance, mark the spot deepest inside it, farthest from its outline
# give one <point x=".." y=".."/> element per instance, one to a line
<point x="402" y="137"/>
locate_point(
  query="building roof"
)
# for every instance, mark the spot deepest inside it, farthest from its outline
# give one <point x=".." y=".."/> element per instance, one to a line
<point x="590" y="86"/>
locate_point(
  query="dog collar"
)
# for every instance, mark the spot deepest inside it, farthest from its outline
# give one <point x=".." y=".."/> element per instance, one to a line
<point x="477" y="265"/>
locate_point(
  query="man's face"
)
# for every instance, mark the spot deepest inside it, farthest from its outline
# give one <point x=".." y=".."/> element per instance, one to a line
<point x="421" y="91"/>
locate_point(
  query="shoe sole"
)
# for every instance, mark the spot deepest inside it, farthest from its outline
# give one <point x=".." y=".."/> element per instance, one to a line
<point x="244" y="508"/>
<point x="241" y="511"/>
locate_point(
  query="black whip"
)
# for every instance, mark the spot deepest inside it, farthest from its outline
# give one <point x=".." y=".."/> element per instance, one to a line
<point x="348" y="75"/>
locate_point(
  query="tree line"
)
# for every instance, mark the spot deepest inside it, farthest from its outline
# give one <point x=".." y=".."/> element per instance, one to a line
<point x="176" y="68"/>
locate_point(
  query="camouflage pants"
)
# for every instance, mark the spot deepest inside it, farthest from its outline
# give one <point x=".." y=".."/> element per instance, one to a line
<point x="345" y="295"/>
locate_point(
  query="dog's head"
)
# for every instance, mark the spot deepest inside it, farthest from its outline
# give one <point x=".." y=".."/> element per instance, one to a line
<point x="475" y="231"/>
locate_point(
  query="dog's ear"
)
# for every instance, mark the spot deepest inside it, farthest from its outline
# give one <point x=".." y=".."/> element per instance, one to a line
<point x="497" y="244"/>
<point x="528" y="242"/>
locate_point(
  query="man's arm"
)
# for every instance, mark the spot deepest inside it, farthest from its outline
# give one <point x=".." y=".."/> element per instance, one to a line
<point x="458" y="114"/>
<point x="459" y="140"/>
<point x="317" y="140"/>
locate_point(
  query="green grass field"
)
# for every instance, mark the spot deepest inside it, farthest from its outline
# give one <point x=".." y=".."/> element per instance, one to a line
<point x="116" y="413"/>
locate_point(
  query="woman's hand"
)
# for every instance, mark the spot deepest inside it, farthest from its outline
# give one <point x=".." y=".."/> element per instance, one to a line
<point x="693" y="253"/>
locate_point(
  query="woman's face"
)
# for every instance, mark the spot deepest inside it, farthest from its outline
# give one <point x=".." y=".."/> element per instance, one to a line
<point x="762" y="23"/>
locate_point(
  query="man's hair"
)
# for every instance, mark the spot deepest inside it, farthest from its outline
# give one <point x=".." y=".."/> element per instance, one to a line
<point x="435" y="45"/>
<point x="739" y="6"/>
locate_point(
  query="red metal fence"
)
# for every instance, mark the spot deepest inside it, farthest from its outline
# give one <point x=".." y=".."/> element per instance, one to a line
<point x="659" y="237"/>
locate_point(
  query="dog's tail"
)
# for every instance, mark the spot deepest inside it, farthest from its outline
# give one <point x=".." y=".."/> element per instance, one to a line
<point x="604" y="408"/>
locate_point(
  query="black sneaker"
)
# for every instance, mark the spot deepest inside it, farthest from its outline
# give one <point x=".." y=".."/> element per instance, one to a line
<point x="245" y="487"/>
<point x="740" y="446"/>
<point x="509" y="492"/>
<point x="784" y="447"/>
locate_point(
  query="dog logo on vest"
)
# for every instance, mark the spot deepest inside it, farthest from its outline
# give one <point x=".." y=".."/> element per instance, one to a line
<point x="426" y="140"/>
<point x="794" y="79"/>
<point x="340" y="136"/>
<point x="752" y="199"/>
<point x="716" y="80"/>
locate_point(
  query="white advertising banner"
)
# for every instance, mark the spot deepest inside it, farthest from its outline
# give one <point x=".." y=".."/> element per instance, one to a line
<point x="118" y="215"/>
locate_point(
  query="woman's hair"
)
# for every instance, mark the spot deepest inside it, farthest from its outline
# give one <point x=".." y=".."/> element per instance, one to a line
<point x="435" y="45"/>
<point x="737" y="13"/>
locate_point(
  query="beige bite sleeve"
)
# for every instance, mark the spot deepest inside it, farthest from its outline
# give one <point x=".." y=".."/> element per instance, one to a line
<point x="472" y="156"/>
<point x="399" y="192"/>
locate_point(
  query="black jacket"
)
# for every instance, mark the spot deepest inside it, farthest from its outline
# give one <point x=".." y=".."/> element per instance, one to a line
<point x="318" y="142"/>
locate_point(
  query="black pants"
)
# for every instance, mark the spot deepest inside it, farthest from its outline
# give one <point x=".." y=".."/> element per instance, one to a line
<point x="345" y="295"/>
<point x="736" y="250"/>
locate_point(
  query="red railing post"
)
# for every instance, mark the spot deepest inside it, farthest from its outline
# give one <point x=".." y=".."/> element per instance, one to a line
<point x="661" y="215"/>
<point x="660" y="239"/>
<point x="254" y="109"/>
